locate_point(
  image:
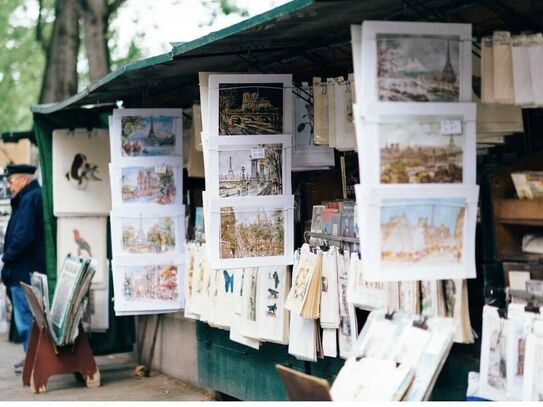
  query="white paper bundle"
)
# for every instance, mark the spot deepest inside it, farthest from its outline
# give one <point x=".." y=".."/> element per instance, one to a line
<point x="320" y="98"/>
<point x="522" y="75"/>
<point x="331" y="95"/>
<point x="329" y="298"/>
<point x="329" y="342"/>
<point x="533" y="374"/>
<point x="364" y="294"/>
<point x="504" y="91"/>
<point x="249" y="324"/>
<point x="493" y="369"/>
<point x="273" y="318"/>
<point x="225" y="298"/>
<point x="344" y="116"/>
<point x="535" y="52"/>
<point x="487" y="71"/>
<point x="348" y="329"/>
<point x="237" y="317"/>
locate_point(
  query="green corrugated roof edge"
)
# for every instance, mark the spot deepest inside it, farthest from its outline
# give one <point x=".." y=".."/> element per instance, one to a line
<point x="286" y="8"/>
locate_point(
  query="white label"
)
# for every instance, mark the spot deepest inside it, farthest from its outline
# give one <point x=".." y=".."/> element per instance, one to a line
<point x="258" y="152"/>
<point x="160" y="169"/>
<point x="451" y="127"/>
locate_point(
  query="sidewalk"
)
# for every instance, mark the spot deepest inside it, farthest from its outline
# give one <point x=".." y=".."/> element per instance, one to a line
<point x="118" y="382"/>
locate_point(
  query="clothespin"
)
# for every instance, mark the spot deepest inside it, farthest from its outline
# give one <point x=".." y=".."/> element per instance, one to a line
<point x="531" y="306"/>
<point x="502" y="312"/>
<point x="390" y="315"/>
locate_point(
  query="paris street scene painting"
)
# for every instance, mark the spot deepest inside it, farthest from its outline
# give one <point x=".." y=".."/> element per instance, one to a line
<point x="150" y="283"/>
<point x="418" y="68"/>
<point x="254" y="233"/>
<point x="250" y="109"/>
<point x="148" y="136"/>
<point x="148" y="235"/>
<point x="148" y="185"/>
<point x="415" y="152"/>
<point x="422" y="231"/>
<point x="253" y="171"/>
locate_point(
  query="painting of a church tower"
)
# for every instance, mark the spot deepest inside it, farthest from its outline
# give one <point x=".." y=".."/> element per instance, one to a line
<point x="148" y="136"/>
<point x="254" y="233"/>
<point x="418" y="68"/>
<point x="250" y="109"/>
<point x="148" y="185"/>
<point x="254" y="171"/>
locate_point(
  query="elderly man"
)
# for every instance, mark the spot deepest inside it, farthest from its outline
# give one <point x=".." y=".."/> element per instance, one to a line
<point x="24" y="246"/>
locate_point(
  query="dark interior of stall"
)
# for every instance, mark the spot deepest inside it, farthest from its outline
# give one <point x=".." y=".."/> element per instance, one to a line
<point x="307" y="39"/>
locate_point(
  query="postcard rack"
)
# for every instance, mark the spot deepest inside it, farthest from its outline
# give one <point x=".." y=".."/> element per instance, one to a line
<point x="325" y="236"/>
<point x="44" y="359"/>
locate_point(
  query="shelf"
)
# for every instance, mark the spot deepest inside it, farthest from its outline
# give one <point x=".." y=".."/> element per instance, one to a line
<point x="519" y="211"/>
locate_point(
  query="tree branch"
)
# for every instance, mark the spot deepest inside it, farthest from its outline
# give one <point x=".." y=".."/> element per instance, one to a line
<point x="39" y="28"/>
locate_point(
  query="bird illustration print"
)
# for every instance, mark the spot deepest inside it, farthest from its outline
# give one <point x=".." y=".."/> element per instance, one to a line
<point x="81" y="171"/>
<point x="82" y="244"/>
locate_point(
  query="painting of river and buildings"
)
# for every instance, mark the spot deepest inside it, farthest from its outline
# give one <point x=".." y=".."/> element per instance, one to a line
<point x="255" y="233"/>
<point x="422" y="231"/>
<point x="418" y="68"/>
<point x="251" y="172"/>
<point x="148" y="235"/>
<point x="415" y="152"/>
<point x="250" y="109"/>
<point x="148" y="136"/>
<point x="150" y="283"/>
<point x="148" y="185"/>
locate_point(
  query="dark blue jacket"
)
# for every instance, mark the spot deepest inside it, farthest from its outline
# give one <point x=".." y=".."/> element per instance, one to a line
<point x="24" y="242"/>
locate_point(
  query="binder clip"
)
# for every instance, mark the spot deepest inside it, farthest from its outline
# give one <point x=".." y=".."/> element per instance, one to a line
<point x="531" y="306"/>
<point x="502" y="312"/>
<point x="421" y="323"/>
<point x="390" y="315"/>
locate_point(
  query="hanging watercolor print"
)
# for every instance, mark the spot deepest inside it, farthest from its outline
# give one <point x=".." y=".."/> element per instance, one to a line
<point x="150" y="287"/>
<point x="241" y="105"/>
<point x="273" y="318"/>
<point x="84" y="236"/>
<point x="151" y="183"/>
<point x="416" y="62"/>
<point x="80" y="171"/>
<point x="257" y="169"/>
<point x="245" y="233"/>
<point x="425" y="238"/>
<point x="146" y="133"/>
<point x="143" y="232"/>
<point x="418" y="144"/>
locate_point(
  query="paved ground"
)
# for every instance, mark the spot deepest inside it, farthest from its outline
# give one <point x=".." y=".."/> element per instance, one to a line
<point x="118" y="382"/>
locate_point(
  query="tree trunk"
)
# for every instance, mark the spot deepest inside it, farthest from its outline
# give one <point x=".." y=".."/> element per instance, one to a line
<point x="60" y="77"/>
<point x="95" y="14"/>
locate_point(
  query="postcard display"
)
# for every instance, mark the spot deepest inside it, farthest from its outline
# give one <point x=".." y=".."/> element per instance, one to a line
<point x="239" y="278"/>
<point x="148" y="217"/>
<point x="80" y="171"/>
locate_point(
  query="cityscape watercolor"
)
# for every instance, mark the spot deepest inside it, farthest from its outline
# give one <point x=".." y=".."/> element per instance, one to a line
<point x="148" y="235"/>
<point x="148" y="136"/>
<point x="150" y="283"/>
<point x="147" y="185"/>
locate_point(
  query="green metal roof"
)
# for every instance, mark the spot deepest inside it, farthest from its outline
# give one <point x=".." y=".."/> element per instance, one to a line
<point x="304" y="37"/>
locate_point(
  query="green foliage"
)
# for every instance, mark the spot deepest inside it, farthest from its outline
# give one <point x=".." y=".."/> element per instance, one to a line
<point x="226" y="7"/>
<point x="21" y="67"/>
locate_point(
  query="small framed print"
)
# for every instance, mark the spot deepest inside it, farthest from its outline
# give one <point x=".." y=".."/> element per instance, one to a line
<point x="261" y="168"/>
<point x="147" y="181"/>
<point x="149" y="287"/>
<point x="80" y="172"/>
<point x="418" y="232"/>
<point x="146" y="133"/>
<point x="250" y="105"/>
<point x="145" y="233"/>
<point x="251" y="232"/>
<point x="432" y="143"/>
<point x="416" y="62"/>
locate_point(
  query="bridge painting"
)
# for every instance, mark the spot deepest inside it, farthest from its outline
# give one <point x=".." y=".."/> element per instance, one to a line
<point x="250" y="109"/>
<point x="251" y="171"/>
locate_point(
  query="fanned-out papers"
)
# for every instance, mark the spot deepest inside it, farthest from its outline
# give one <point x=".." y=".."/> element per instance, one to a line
<point x="69" y="301"/>
<point x="305" y="294"/>
<point x="406" y="342"/>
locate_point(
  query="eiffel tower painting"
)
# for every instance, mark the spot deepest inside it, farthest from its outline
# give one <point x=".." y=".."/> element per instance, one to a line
<point x="230" y="171"/>
<point x="448" y="71"/>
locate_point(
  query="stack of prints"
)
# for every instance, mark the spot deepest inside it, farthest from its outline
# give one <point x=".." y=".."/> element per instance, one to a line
<point x="148" y="217"/>
<point x="417" y="200"/>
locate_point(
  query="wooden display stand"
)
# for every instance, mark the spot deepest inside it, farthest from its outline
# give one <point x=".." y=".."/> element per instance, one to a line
<point x="44" y="359"/>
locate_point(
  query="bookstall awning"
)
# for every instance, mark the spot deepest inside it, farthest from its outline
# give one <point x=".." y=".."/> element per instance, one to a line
<point x="302" y="37"/>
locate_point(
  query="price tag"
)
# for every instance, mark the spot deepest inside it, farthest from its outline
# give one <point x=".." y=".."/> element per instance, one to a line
<point x="160" y="169"/>
<point x="449" y="127"/>
<point x="258" y="153"/>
